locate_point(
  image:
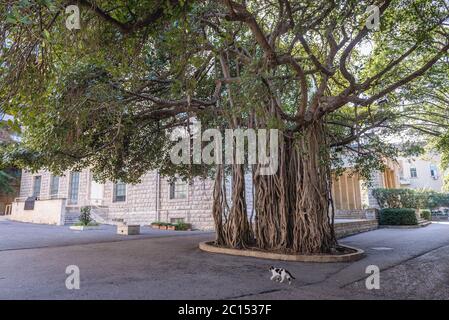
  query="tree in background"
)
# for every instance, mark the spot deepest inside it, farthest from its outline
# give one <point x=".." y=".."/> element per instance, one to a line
<point x="107" y="96"/>
<point x="8" y="176"/>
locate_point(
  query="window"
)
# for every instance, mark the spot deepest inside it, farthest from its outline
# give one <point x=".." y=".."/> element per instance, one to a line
<point x="413" y="173"/>
<point x="37" y="186"/>
<point x="178" y="189"/>
<point x="119" y="192"/>
<point x="74" y="187"/>
<point x="54" y="186"/>
<point x="433" y="171"/>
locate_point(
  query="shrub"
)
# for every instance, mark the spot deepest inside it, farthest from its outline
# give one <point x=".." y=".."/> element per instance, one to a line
<point x="396" y="198"/>
<point x="85" y="218"/>
<point x="425" y="214"/>
<point x="409" y="198"/>
<point x="436" y="199"/>
<point x="183" y="226"/>
<point x="398" y="216"/>
<point x="165" y="224"/>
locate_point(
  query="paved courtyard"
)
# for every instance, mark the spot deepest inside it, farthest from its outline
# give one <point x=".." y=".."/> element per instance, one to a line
<point x="169" y="265"/>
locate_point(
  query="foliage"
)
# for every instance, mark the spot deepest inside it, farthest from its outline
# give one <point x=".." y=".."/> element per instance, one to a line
<point x="398" y="216"/>
<point x="426" y="214"/>
<point x="90" y="224"/>
<point x="85" y="218"/>
<point x="410" y="198"/>
<point x="5" y="182"/>
<point x="183" y="226"/>
<point x="436" y="199"/>
<point x="396" y="198"/>
<point x="178" y="225"/>
<point x="111" y="107"/>
<point x="446" y="182"/>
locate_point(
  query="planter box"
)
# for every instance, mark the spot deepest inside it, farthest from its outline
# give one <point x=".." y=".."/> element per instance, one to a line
<point x="83" y="228"/>
<point x="163" y="227"/>
<point x="155" y="226"/>
<point x="128" y="230"/>
<point x="171" y="228"/>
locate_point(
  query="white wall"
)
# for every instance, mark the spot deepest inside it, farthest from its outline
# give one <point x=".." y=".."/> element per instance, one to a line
<point x="45" y="211"/>
<point x="424" y="180"/>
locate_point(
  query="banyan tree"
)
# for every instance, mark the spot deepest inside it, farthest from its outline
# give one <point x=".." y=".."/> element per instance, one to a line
<point x="328" y="75"/>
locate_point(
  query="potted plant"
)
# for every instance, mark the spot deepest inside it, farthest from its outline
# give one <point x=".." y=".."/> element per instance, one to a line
<point x="85" y="221"/>
<point x="171" y="226"/>
<point x="155" y="224"/>
<point x="183" y="226"/>
<point x="163" y="226"/>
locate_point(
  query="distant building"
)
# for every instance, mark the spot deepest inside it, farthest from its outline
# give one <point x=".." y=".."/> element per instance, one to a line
<point x="422" y="172"/>
<point x="352" y="195"/>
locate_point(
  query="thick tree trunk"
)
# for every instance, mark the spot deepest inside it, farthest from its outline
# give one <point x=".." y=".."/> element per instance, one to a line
<point x="219" y="206"/>
<point x="292" y="206"/>
<point x="312" y="227"/>
<point x="232" y="230"/>
<point x="270" y="196"/>
<point x="237" y="230"/>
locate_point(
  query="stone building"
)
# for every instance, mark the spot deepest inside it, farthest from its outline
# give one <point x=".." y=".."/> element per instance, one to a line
<point x="60" y="198"/>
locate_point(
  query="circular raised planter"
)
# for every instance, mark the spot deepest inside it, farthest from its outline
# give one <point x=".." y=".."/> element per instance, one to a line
<point x="348" y="257"/>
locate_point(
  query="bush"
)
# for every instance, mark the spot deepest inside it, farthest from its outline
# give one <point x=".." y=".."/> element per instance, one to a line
<point x="425" y="214"/>
<point x="85" y="218"/>
<point x="396" y="198"/>
<point x="398" y="216"/>
<point x="90" y="224"/>
<point x="183" y="226"/>
<point x="436" y="199"/>
<point x="409" y="198"/>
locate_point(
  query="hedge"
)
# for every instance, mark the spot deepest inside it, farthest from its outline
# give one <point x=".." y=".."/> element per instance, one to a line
<point x="425" y="214"/>
<point x="409" y="198"/>
<point x="398" y="216"/>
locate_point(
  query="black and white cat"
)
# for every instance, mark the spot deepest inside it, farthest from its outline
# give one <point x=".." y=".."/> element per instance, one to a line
<point x="280" y="274"/>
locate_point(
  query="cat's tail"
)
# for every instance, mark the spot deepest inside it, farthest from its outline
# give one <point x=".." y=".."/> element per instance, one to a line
<point x="291" y="275"/>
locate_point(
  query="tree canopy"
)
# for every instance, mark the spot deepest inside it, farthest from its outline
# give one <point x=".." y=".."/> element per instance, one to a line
<point x="103" y="95"/>
<point x="108" y="95"/>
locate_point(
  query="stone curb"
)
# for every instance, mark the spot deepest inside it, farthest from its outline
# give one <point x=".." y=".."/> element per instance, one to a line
<point x="208" y="247"/>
